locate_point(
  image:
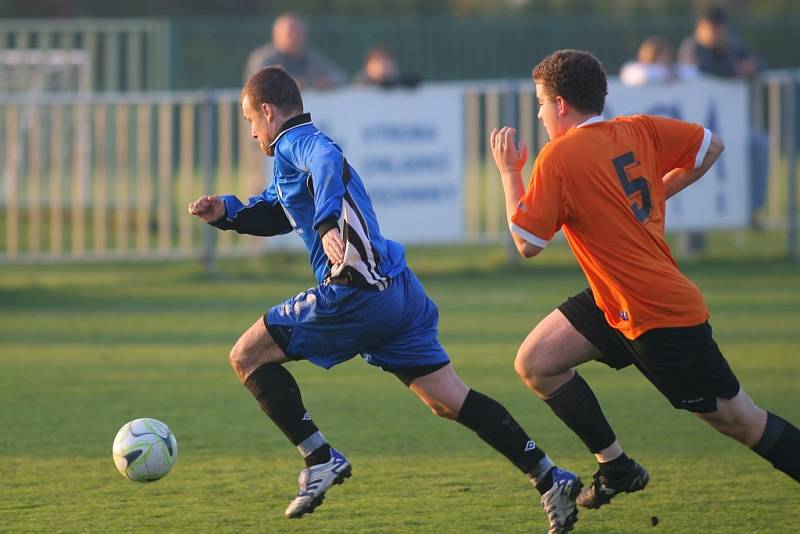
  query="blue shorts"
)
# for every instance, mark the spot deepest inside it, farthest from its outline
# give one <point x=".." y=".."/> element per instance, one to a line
<point x="329" y="324"/>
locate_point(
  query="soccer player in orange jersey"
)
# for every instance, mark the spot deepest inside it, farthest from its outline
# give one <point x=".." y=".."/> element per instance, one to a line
<point x="605" y="183"/>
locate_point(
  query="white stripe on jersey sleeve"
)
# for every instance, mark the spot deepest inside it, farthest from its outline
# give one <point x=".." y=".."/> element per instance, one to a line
<point x="529" y="237"/>
<point x="703" y="150"/>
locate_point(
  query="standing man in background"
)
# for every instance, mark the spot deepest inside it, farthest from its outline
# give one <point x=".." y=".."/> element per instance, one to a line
<point x="289" y="48"/>
<point x="714" y="50"/>
<point x="605" y="184"/>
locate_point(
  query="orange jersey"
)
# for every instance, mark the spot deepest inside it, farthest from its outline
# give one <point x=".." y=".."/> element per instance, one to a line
<point x="602" y="184"/>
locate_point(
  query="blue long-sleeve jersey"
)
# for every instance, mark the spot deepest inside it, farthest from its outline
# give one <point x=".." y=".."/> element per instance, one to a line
<point x="314" y="189"/>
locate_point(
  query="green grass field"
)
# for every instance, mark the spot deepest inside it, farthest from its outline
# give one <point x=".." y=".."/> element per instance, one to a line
<point x="85" y="348"/>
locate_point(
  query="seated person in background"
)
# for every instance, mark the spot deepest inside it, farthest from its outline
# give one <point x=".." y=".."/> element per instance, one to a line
<point x="654" y="64"/>
<point x="714" y="50"/>
<point x="309" y="68"/>
<point x="380" y="69"/>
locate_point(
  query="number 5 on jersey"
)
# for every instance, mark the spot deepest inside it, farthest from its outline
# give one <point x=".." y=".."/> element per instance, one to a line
<point x="631" y="187"/>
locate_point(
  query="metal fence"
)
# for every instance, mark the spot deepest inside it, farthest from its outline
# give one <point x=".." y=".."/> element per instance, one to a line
<point x="97" y="177"/>
<point x="109" y="176"/>
<point x="122" y="54"/>
<point x="776" y="111"/>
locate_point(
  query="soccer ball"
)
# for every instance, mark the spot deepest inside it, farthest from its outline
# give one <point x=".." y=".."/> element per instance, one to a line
<point x="144" y="450"/>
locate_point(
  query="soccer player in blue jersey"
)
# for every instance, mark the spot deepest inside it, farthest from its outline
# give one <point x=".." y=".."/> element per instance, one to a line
<point x="367" y="302"/>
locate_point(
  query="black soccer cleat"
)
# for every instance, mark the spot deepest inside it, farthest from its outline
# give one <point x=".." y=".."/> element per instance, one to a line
<point x="603" y="488"/>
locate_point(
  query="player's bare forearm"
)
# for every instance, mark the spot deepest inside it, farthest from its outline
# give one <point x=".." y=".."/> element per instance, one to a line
<point x="677" y="180"/>
<point x="513" y="191"/>
<point x="510" y="158"/>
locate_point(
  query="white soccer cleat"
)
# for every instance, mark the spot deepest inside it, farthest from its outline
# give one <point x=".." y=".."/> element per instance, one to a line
<point x="315" y="481"/>
<point x="559" y="501"/>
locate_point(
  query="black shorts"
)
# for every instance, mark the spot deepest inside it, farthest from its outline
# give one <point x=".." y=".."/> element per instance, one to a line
<point x="684" y="363"/>
<point x="407" y="375"/>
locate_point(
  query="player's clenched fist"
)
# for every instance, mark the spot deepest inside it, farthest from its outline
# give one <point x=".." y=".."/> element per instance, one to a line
<point x="209" y="208"/>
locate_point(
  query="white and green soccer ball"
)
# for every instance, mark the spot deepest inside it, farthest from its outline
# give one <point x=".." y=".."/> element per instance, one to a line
<point x="145" y="450"/>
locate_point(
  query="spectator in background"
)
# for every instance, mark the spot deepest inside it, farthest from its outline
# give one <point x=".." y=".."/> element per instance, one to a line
<point x="715" y="51"/>
<point x="380" y="69"/>
<point x="655" y="64"/>
<point x="309" y="68"/>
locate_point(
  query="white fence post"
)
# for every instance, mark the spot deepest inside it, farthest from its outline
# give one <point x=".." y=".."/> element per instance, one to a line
<point x="207" y="168"/>
<point x="791" y="161"/>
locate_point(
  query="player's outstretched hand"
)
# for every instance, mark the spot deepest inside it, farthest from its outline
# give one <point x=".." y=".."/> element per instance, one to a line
<point x="209" y="208"/>
<point x="333" y="246"/>
<point x="510" y="158"/>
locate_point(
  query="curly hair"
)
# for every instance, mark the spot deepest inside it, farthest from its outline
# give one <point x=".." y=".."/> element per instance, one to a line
<point x="272" y="85"/>
<point x="578" y="77"/>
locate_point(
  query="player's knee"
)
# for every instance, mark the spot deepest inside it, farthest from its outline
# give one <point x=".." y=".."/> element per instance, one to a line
<point x="234" y="357"/>
<point x="441" y="409"/>
<point x="536" y="375"/>
<point x="238" y="358"/>
<point x="527" y="365"/>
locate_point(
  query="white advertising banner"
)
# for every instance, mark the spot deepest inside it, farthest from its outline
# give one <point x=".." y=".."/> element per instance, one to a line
<point x="408" y="148"/>
<point x="720" y="199"/>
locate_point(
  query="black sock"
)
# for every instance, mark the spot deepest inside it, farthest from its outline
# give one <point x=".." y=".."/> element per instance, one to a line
<point x="494" y="425"/>
<point x="616" y="468"/>
<point x="543" y="485"/>
<point x="780" y="445"/>
<point x="279" y="396"/>
<point x="575" y="404"/>
<point x="320" y="455"/>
